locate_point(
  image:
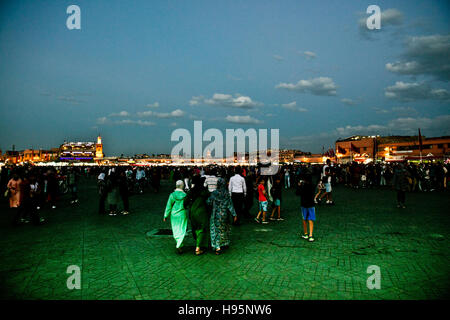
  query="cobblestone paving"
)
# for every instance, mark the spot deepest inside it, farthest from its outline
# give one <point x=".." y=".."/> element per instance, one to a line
<point x="118" y="260"/>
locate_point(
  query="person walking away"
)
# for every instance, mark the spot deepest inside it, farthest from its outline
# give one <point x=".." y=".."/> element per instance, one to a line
<point x="211" y="181"/>
<point x="140" y="178"/>
<point x="34" y="201"/>
<point x="52" y="188"/>
<point x="306" y="192"/>
<point x="328" y="190"/>
<point x="262" y="198"/>
<point x="238" y="191"/>
<point x="72" y="178"/>
<point x="222" y="208"/>
<point x="383" y="178"/>
<point x="15" y="197"/>
<point x="287" y="179"/>
<point x="320" y="191"/>
<point x="400" y="182"/>
<point x="102" y="192"/>
<point x="248" y="201"/>
<point x="175" y="209"/>
<point x="198" y="213"/>
<point x="276" y="192"/>
<point x="112" y="186"/>
<point x="123" y="191"/>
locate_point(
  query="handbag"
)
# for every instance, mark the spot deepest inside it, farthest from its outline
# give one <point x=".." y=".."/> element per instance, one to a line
<point x="6" y="193"/>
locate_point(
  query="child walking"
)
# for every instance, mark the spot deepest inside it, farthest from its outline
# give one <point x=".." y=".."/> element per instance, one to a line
<point x="306" y="192"/>
<point x="262" y="198"/>
<point x="276" y="191"/>
<point x="320" y="190"/>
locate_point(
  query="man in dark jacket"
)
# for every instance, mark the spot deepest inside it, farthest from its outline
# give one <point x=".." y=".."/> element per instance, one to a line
<point x="401" y="184"/>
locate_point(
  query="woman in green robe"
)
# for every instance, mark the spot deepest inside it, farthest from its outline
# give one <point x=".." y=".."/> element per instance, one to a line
<point x="199" y="216"/>
<point x="177" y="212"/>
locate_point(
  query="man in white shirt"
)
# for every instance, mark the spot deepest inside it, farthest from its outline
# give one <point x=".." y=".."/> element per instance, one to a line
<point x="140" y="177"/>
<point x="238" y="191"/>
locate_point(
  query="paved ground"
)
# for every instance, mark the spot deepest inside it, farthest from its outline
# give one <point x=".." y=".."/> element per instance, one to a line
<point x="118" y="260"/>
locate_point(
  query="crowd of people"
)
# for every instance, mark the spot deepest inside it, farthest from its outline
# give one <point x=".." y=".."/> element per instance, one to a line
<point x="213" y="198"/>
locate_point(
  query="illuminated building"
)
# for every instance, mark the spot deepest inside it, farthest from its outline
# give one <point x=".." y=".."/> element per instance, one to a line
<point x="99" y="148"/>
<point x="408" y="148"/>
<point x="356" y="148"/>
<point x="391" y="148"/>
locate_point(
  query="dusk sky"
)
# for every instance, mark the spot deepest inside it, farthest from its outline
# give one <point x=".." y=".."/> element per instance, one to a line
<point x="137" y="70"/>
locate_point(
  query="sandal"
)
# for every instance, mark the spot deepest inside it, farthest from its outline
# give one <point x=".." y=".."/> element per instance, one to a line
<point x="218" y="251"/>
<point x="199" y="252"/>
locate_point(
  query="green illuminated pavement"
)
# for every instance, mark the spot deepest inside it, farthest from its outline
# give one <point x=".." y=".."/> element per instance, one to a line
<point x="118" y="260"/>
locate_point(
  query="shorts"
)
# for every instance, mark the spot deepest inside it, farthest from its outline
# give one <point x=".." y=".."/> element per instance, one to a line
<point x="309" y="213"/>
<point x="277" y="202"/>
<point x="328" y="187"/>
<point x="263" y="206"/>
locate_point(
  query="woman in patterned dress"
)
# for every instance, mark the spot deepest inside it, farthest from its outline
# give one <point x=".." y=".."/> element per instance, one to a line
<point x="220" y="224"/>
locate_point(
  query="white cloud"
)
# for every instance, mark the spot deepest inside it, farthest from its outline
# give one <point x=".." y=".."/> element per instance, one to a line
<point x="196" y="100"/>
<point x="411" y="91"/>
<point x="226" y="100"/>
<point x="153" y="105"/>
<point x="293" y="106"/>
<point x="380" y="110"/>
<point x="102" y="120"/>
<point x="105" y="120"/>
<point x="389" y="18"/>
<point x="120" y="114"/>
<point x="309" y="54"/>
<point x="277" y="57"/>
<point x="348" y="101"/>
<point x="141" y="123"/>
<point x="242" y="119"/>
<point x="425" y="55"/>
<point x="321" y="86"/>
<point x="174" y="114"/>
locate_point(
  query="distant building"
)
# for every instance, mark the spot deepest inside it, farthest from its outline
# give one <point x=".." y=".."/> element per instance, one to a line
<point x="407" y="148"/>
<point x="391" y="148"/>
<point x="288" y="155"/>
<point x="30" y="155"/>
<point x="81" y="151"/>
<point x="356" y="148"/>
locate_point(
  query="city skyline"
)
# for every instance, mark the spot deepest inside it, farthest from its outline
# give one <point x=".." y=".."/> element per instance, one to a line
<point x="134" y="74"/>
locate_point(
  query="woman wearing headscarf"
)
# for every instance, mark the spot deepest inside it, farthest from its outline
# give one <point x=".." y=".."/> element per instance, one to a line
<point x="222" y="208"/>
<point x="196" y="202"/>
<point x="177" y="212"/>
<point x="15" y="197"/>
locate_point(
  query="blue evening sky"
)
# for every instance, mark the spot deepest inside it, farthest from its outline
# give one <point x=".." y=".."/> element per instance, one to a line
<point x="137" y="70"/>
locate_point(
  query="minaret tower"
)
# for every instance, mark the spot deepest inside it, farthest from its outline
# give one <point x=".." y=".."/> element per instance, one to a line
<point x="99" y="148"/>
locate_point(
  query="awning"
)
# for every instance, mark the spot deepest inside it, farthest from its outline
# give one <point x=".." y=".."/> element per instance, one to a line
<point x="423" y="158"/>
